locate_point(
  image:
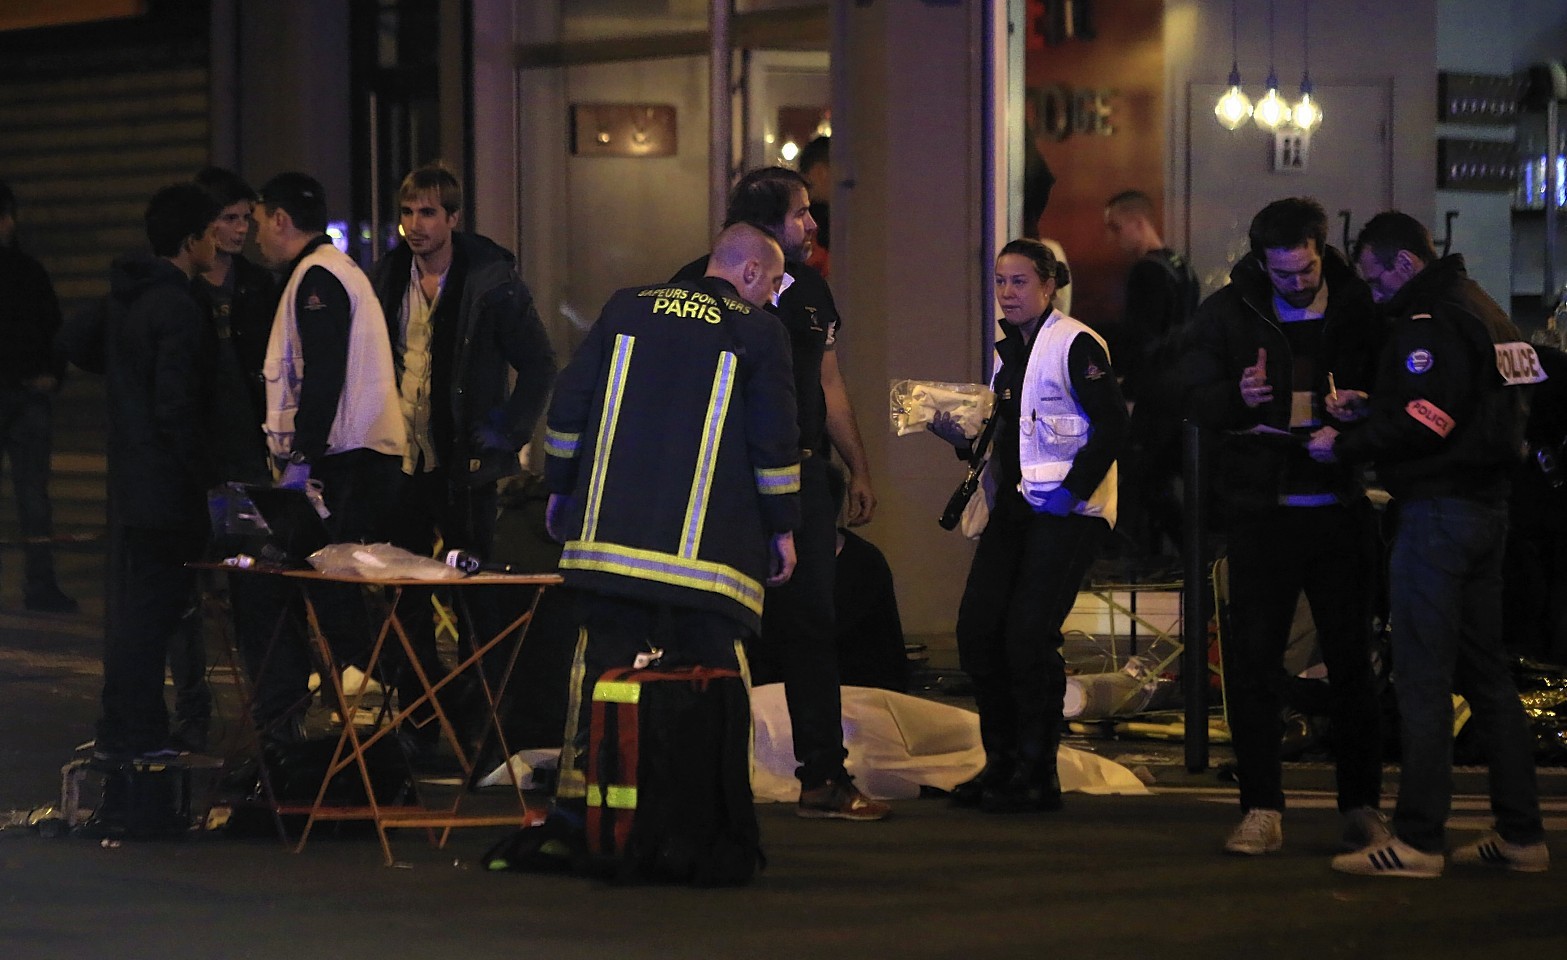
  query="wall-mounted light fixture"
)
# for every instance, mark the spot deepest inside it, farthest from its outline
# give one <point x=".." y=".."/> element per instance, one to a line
<point x="622" y="130"/>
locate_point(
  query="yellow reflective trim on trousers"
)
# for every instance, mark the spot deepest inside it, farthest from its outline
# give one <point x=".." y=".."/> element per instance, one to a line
<point x="750" y="726"/>
<point x="572" y="785"/>
<point x="619" y="368"/>
<point x="572" y="782"/>
<point x="707" y="455"/>
<point x="615" y="796"/>
<point x="617" y="691"/>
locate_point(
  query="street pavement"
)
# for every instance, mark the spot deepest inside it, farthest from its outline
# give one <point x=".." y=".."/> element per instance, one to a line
<point x="1108" y="877"/>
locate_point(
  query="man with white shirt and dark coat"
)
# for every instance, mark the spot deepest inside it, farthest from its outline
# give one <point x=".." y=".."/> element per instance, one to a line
<point x="461" y="322"/>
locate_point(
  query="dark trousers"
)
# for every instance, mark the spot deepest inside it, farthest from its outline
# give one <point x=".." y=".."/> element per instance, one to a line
<point x="464" y="519"/>
<point x="271" y="639"/>
<point x="1023" y="582"/>
<point x="1328" y="552"/>
<point x="612" y="631"/>
<point x="1150" y="513"/>
<point x="26" y="436"/>
<point x="153" y="601"/>
<point x="798" y="643"/>
<point x="360" y="488"/>
<point x="1447" y="615"/>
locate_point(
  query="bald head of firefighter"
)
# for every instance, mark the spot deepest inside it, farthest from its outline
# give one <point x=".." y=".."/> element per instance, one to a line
<point x="748" y="257"/>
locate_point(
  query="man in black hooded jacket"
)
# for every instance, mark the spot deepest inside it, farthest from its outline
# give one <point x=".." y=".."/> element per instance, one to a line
<point x="1294" y="323"/>
<point x="158" y="352"/>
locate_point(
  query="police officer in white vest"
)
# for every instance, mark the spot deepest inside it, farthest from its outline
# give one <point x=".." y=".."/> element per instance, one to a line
<point x="1062" y="423"/>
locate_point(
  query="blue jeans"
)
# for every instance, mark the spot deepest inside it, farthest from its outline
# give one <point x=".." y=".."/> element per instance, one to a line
<point x="26" y="435"/>
<point x="1446" y="592"/>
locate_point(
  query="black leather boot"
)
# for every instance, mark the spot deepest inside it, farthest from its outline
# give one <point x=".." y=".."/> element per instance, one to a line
<point x="1034" y="784"/>
<point x="997" y="771"/>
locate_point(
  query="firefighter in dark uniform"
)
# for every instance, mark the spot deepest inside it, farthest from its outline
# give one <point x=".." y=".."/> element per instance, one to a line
<point x="673" y="471"/>
<point x="798" y="642"/>
<point x="1444" y="427"/>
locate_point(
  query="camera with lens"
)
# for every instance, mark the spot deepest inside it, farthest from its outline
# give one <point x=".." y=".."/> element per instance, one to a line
<point x="959" y="499"/>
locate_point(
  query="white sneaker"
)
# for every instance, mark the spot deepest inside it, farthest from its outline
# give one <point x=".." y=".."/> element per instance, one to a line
<point x="1492" y="851"/>
<point x="355" y="682"/>
<point x="1260" y="831"/>
<point x="1395" y="858"/>
<point x="358" y="683"/>
<point x="1365" y="827"/>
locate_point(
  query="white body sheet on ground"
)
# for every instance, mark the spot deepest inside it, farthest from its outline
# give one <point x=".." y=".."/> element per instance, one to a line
<point x="897" y="743"/>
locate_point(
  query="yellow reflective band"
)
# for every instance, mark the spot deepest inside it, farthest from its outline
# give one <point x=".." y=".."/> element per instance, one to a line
<point x="707" y="455"/>
<point x="571" y="785"/>
<point x="619" y="369"/>
<point x="615" y="796"/>
<point x="660" y="567"/>
<point x="562" y="445"/>
<point x="776" y="480"/>
<point x="617" y="691"/>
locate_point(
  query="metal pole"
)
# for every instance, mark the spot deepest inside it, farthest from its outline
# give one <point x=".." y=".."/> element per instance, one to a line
<point x="1194" y="601"/>
<point x="721" y="123"/>
<point x="1553" y="181"/>
<point x="376" y="240"/>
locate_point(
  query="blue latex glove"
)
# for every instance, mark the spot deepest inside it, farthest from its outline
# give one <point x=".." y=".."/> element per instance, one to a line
<point x="295" y="476"/>
<point x="1058" y="503"/>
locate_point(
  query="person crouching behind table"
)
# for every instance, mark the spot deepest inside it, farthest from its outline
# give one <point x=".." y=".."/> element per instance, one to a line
<point x="1054" y="463"/>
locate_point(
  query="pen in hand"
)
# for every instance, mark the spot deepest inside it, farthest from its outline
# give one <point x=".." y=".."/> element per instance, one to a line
<point x="1332" y="387"/>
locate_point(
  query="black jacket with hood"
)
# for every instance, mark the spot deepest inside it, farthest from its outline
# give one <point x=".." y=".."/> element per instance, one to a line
<point x="1228" y="330"/>
<point x="159" y="350"/>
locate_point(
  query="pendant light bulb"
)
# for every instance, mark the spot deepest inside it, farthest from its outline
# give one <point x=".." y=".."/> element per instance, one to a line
<point x="1306" y="114"/>
<point x="1271" y="112"/>
<point x="1234" y="107"/>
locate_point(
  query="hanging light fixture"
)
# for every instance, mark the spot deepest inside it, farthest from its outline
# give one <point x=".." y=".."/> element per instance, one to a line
<point x="1272" y="112"/>
<point x="1307" y="114"/>
<point x="1234" y="107"/>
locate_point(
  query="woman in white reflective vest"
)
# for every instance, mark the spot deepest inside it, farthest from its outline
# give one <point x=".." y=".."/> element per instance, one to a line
<point x="1061" y="424"/>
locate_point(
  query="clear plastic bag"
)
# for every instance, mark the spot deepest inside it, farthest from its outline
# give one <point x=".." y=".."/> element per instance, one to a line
<point x="916" y="402"/>
<point x="379" y="561"/>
